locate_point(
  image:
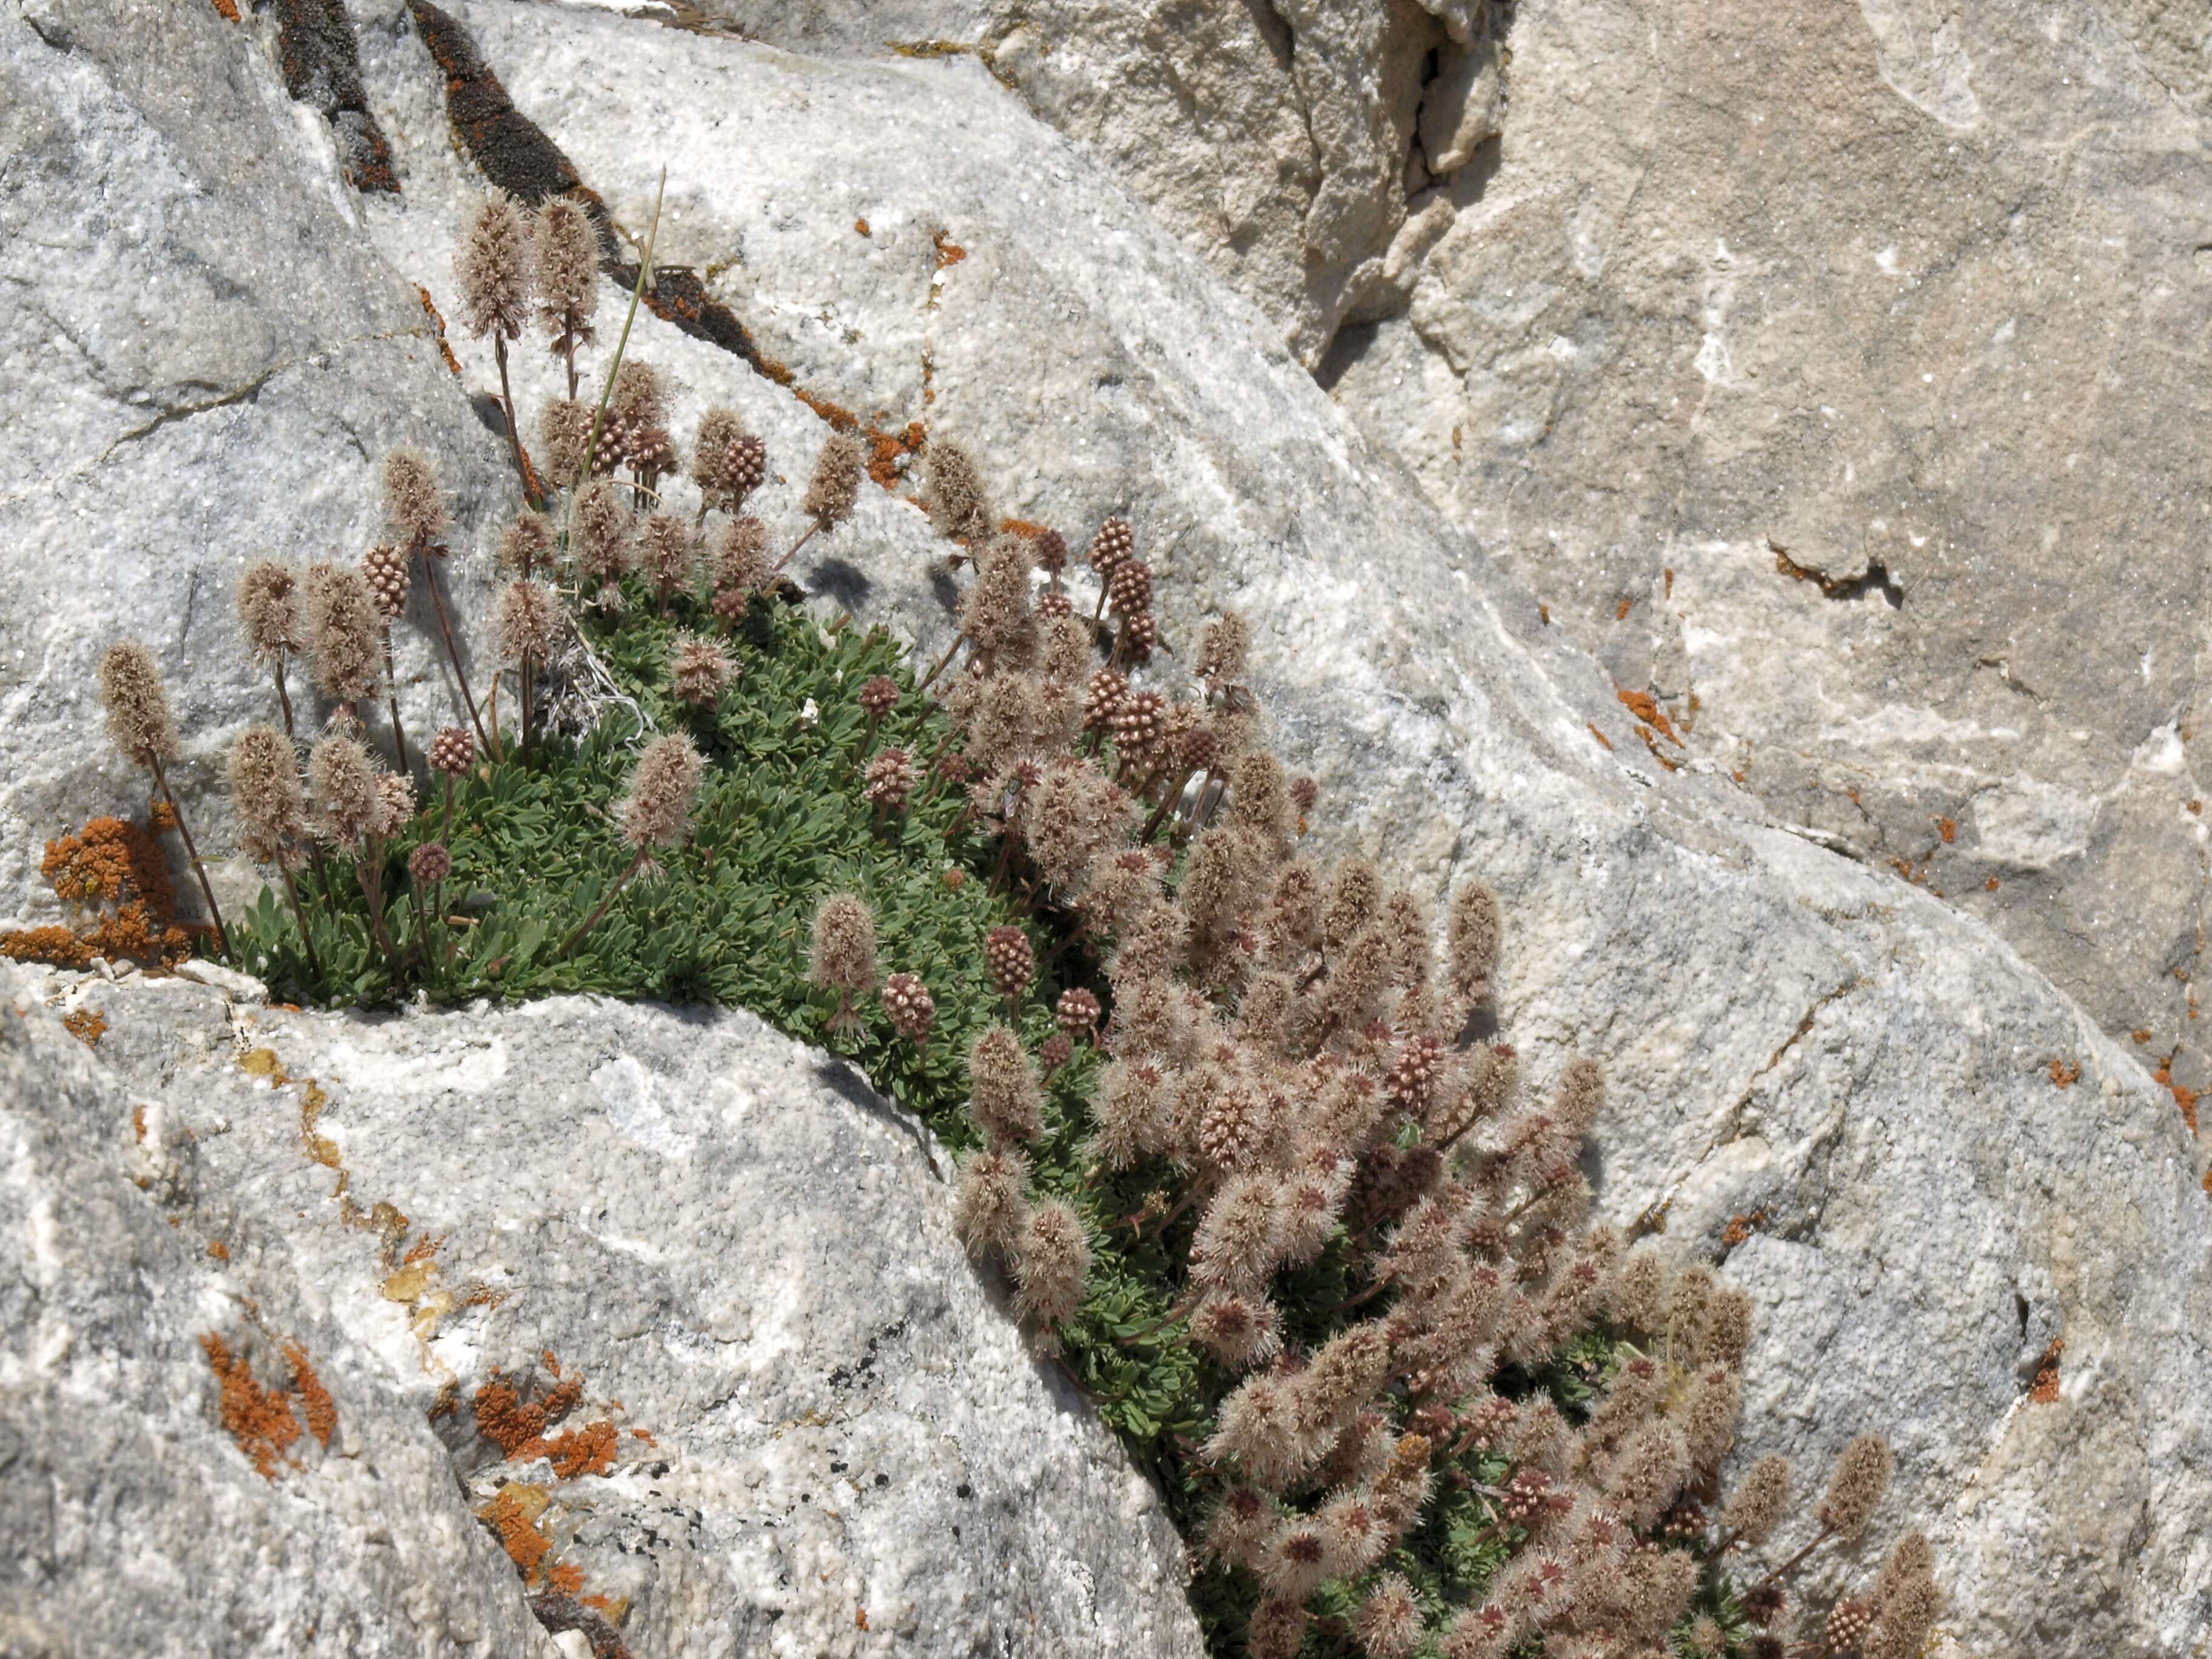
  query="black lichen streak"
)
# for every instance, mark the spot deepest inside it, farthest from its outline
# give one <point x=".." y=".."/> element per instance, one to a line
<point x="320" y="59"/>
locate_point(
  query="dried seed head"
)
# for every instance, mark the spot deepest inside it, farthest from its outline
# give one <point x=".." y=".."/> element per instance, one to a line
<point x="137" y="704"/>
<point x="1647" y="1472"/>
<point x="429" y="864"/>
<point x="1239" y="1331"/>
<point x="1059" y="1049"/>
<point x="1078" y="1012"/>
<point x="526" y="545"/>
<point x="1051" y="549"/>
<point x="492" y="265"/>
<point x="1725" y="1336"/>
<point x="844" y="959"/>
<point x="1051" y="1263"/>
<point x="605" y="541"/>
<point x="1708" y="1418"/>
<point x="1905" y="1599"/>
<point x="1140" y="636"/>
<point x="1126" y="1112"/>
<point x="835" y="488"/>
<point x="268" y="608"/>
<point x="1110" y="546"/>
<point x="670" y="553"/>
<point x="637" y="419"/>
<point x="345" y="635"/>
<point x="879" y="695"/>
<point x="889" y="781"/>
<point x="1760" y="1498"/>
<point x="265" y="792"/>
<point x="395" y="800"/>
<point x="657" y="811"/>
<point x="1304" y="792"/>
<point x="413" y="499"/>
<point x="1862" y="1478"/>
<point x="1639" y="1295"/>
<point x="1139" y="728"/>
<point x="1241" y="1523"/>
<point x="453" y="751"/>
<point x="699" y="670"/>
<point x="1847" y="1625"/>
<point x="727" y="462"/>
<point x="1002" y="1088"/>
<point x="348" y="803"/>
<point x="1276" y="1628"/>
<point x="1352" y="900"/>
<point x="958" y="504"/>
<point x="384" y="568"/>
<point x="740" y="567"/>
<point x="1223" y="651"/>
<point x="564" y="433"/>
<point x="1010" y="959"/>
<point x="565" y="250"/>
<point x="1054" y="604"/>
<point x="1389" y="1622"/>
<point x="912" y="1009"/>
<point x="1254" y="1431"/>
<point x="527" y="622"/>
<point x="1472" y="933"/>
<point x="1129" y="589"/>
<point x="990" y="1200"/>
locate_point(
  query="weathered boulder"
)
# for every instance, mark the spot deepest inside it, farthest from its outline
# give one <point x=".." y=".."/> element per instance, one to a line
<point x="1924" y="1158"/>
<point x="668" y="1303"/>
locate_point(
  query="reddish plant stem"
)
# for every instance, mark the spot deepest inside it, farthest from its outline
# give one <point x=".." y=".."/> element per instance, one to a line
<point x="221" y="935"/>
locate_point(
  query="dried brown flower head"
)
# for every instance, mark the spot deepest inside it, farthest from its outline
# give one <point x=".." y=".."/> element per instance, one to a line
<point x="268" y="608"/>
<point x="564" y="433"/>
<point x="740" y="567"/>
<point x="1051" y="549"/>
<point x="1760" y="1500"/>
<point x="527" y="622"/>
<point x="265" y="793"/>
<point x="958" y="506"/>
<point x="137" y="704"/>
<point x="911" y="1007"/>
<point x="663" y="785"/>
<point x="636" y="429"/>
<point x="395" y="802"/>
<point x="565" y="250"/>
<point x="1861" y="1479"/>
<point x="384" y="568"/>
<point x="1077" y="1013"/>
<point x="1471" y="934"/>
<point x="888" y="780"/>
<point x="990" y="1200"/>
<point x="1051" y="1263"/>
<point x="350" y="803"/>
<point x="1002" y="1088"/>
<point x="345" y="635"/>
<point x="1010" y="959"/>
<point x="844" y="955"/>
<point x="1129" y="589"/>
<point x="1222" y="650"/>
<point x="879" y="695"/>
<point x="835" y="488"/>
<point x="413" y="498"/>
<point x="606" y="542"/>
<point x="727" y="462"/>
<point x="670" y="554"/>
<point x="526" y="546"/>
<point x="699" y="670"/>
<point x="493" y="266"/>
<point x="429" y="864"/>
<point x="1110" y="546"/>
<point x="453" y="751"/>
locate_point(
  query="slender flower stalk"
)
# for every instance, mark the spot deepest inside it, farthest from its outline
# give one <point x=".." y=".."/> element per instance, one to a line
<point x="656" y="813"/>
<point x="139" y="721"/>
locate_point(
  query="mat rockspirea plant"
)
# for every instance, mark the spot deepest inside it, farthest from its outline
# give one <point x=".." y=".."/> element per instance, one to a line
<point x="1326" y="1263"/>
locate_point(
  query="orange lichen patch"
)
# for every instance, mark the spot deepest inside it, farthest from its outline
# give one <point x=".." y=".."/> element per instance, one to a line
<point x="259" y="1420"/>
<point x="1645" y="707"/>
<point x="2197" y="807"/>
<point x="421" y="1250"/>
<point x="138" y="1121"/>
<point x="949" y="252"/>
<point x="2183" y="1096"/>
<point x="2141" y="1034"/>
<point x="841" y="418"/>
<point x="1544" y="615"/>
<point x="1657" y="753"/>
<point x="263" y="1062"/>
<point x="437" y="327"/>
<point x="887" y="449"/>
<point x="315" y="1402"/>
<point x="1023" y="527"/>
<point x="616" y="1607"/>
<point x="861" y="1618"/>
<point x="1742" y="1227"/>
<point x="587" y="1450"/>
<point x="218" y="1249"/>
<point x="87" y="1027"/>
<point x="1668" y="577"/>
<point x="2045" y="1389"/>
<point x="860" y="225"/>
<point x="226" y="9"/>
<point x="2065" y="1073"/>
<point x="640" y="1434"/>
<point x="1620" y="611"/>
<point x="545" y="1357"/>
<point x="1948" y="828"/>
<point x="568" y="1579"/>
<point x="518" y="1426"/>
<point x="1599" y="735"/>
<point x="1990" y="884"/>
<point x="115" y="882"/>
<point x="512" y="1515"/>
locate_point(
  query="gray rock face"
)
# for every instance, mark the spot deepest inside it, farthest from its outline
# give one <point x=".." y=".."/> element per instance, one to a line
<point x="1816" y="368"/>
<point x="1870" y="1103"/>
<point x="668" y="1302"/>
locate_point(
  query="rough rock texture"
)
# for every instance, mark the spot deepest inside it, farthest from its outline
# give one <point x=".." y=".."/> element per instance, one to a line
<point x="1899" y="301"/>
<point x="1885" y="1093"/>
<point x="667" y="1301"/>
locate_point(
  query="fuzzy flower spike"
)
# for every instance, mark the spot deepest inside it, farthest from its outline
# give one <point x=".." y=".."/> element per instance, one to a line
<point x="139" y="721"/>
<point x="655" y="814"/>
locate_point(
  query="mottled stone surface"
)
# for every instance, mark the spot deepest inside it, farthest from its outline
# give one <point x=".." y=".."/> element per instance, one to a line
<point x="795" y="1423"/>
